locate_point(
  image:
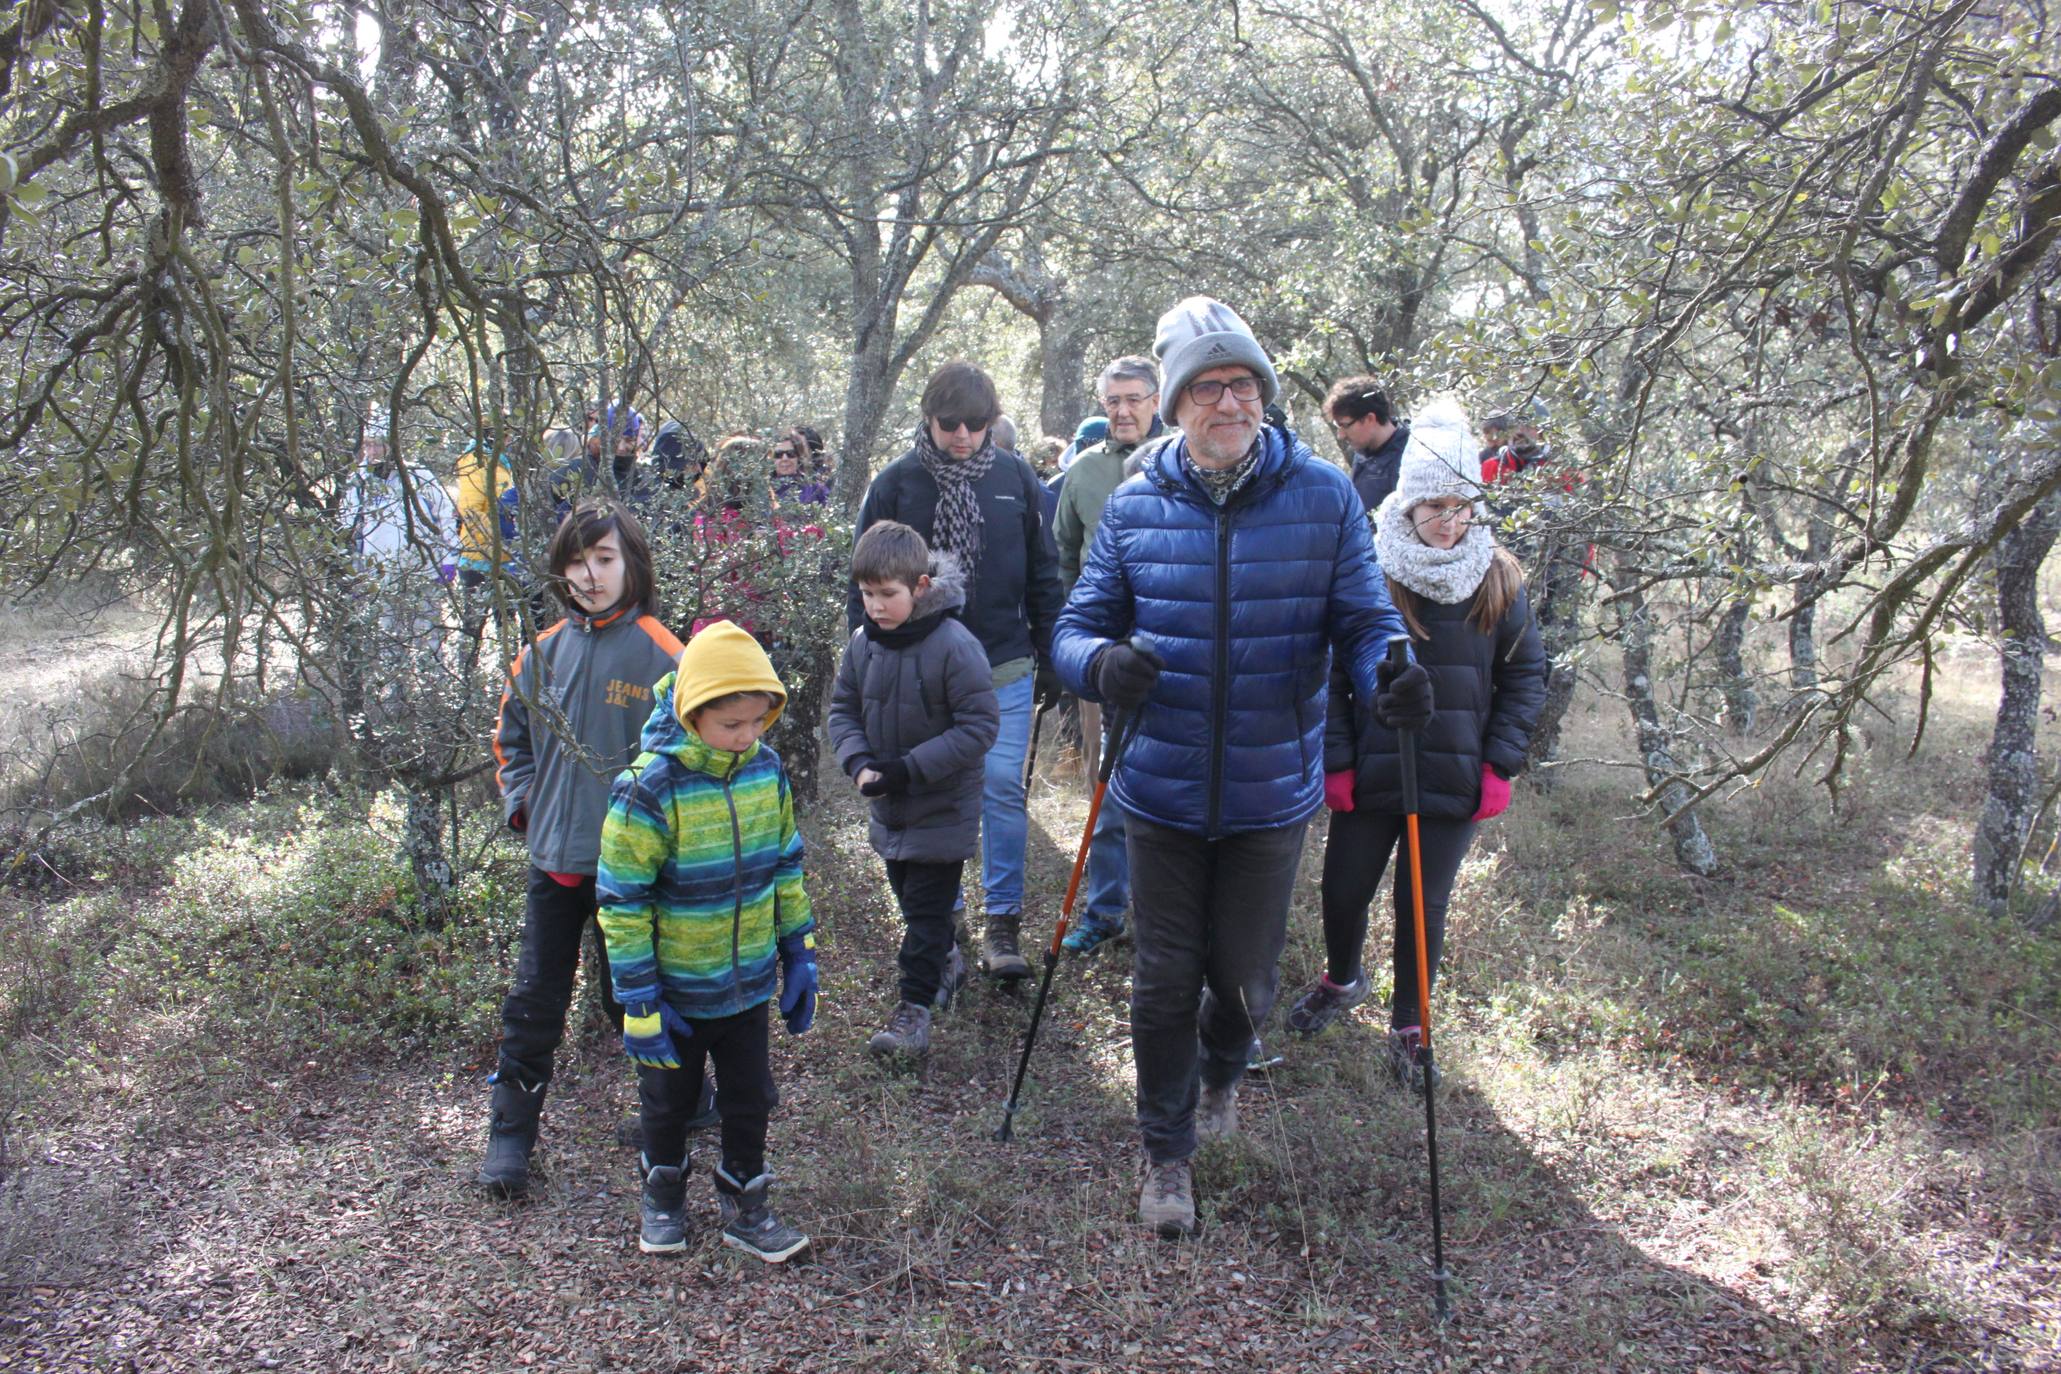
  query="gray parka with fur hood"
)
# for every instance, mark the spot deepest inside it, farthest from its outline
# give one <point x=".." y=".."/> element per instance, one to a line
<point x="922" y="692"/>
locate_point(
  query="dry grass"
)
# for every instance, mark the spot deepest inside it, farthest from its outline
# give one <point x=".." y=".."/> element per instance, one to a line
<point x="1801" y="1117"/>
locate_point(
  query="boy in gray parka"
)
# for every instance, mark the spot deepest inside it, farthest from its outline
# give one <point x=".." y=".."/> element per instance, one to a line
<point x="912" y="716"/>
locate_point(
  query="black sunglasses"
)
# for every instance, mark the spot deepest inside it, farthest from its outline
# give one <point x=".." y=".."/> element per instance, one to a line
<point x="953" y="426"/>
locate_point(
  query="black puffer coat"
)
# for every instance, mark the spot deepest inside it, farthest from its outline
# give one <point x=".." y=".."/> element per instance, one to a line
<point x="922" y="693"/>
<point x="1487" y="690"/>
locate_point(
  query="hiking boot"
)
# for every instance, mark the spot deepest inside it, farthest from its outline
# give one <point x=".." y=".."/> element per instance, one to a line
<point x="1216" y="1116"/>
<point x="1166" y="1201"/>
<point x="751" y="1226"/>
<point x="1405" y="1070"/>
<point x="953" y="979"/>
<point x="1259" y="1060"/>
<point x="511" y="1136"/>
<point x="662" y="1210"/>
<point x="1325" y="1001"/>
<point x="999" y="955"/>
<point x="907" y="1032"/>
<point x="1093" y="932"/>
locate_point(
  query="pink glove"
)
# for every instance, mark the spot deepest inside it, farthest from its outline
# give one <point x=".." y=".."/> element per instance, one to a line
<point x="1495" y="794"/>
<point x="1338" y="790"/>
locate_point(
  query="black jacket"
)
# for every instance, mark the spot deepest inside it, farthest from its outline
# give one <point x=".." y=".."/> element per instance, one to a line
<point x="1375" y="474"/>
<point x="1487" y="690"/>
<point x="921" y="694"/>
<point x="1015" y="596"/>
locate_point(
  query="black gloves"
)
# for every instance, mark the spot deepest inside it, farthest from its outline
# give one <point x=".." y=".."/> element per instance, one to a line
<point x="1402" y="700"/>
<point x="1046" y="688"/>
<point x="1125" y="676"/>
<point x="893" y="779"/>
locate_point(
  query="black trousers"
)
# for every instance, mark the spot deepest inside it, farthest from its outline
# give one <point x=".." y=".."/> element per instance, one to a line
<point x="1355" y="857"/>
<point x="926" y="892"/>
<point x="555" y="919"/>
<point x="1209" y="920"/>
<point x="740" y="1048"/>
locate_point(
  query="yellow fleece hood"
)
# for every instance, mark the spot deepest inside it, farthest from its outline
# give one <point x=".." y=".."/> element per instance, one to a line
<point x="720" y="660"/>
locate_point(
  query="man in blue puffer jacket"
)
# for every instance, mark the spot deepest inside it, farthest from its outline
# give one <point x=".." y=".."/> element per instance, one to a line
<point x="1215" y="587"/>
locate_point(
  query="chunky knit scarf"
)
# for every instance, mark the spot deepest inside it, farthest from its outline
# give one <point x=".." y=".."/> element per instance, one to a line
<point x="1447" y="576"/>
<point x="1222" y="484"/>
<point x="957" y="528"/>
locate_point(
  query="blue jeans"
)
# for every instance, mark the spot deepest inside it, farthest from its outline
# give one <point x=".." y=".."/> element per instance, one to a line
<point x="1004" y="821"/>
<point x="1109" y="866"/>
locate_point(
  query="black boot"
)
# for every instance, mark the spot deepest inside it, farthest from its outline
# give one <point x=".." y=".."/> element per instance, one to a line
<point x="661" y="1211"/>
<point x="511" y="1136"/>
<point x="748" y="1220"/>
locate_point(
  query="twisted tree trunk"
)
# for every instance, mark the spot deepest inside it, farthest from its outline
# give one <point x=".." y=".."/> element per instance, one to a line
<point x="2014" y="796"/>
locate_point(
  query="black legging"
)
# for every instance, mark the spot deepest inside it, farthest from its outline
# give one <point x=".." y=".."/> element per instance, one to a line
<point x="1355" y="856"/>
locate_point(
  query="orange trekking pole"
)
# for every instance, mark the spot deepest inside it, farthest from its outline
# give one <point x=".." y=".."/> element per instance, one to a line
<point x="1122" y="727"/>
<point x="1399" y="655"/>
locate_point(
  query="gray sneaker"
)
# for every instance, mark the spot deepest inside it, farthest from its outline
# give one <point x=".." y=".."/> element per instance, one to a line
<point x="954" y="979"/>
<point x="662" y="1209"/>
<point x="1324" y="1001"/>
<point x="1166" y="1200"/>
<point x="907" y="1032"/>
<point x="1217" y="1114"/>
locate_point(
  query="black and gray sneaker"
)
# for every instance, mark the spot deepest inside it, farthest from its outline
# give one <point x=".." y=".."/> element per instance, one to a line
<point x="749" y="1221"/>
<point x="1324" y="1001"/>
<point x="1405" y="1069"/>
<point x="954" y="978"/>
<point x="907" y="1032"/>
<point x="662" y="1210"/>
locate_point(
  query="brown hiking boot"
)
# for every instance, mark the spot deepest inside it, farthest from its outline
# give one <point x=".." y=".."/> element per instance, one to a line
<point x="907" y="1033"/>
<point x="1166" y="1201"/>
<point x="1216" y="1116"/>
<point x="999" y="954"/>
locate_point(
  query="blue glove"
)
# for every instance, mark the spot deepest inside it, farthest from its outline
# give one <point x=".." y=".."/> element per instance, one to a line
<point x="649" y="1026"/>
<point x="798" y="983"/>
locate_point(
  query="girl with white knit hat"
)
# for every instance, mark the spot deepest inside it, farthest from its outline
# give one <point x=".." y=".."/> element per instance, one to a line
<point x="1471" y="626"/>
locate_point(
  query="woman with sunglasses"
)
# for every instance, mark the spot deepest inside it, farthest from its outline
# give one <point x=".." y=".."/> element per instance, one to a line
<point x="792" y="485"/>
<point x="1471" y="626"/>
<point x="982" y="504"/>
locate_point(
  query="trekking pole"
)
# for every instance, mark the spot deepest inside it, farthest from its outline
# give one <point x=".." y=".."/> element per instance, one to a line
<point x="1030" y="757"/>
<point x="1399" y="655"/>
<point x="1121" y="730"/>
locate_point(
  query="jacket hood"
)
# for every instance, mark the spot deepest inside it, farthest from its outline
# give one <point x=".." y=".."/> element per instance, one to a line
<point x="665" y="734"/>
<point x="947" y="590"/>
<point x="1281" y="455"/>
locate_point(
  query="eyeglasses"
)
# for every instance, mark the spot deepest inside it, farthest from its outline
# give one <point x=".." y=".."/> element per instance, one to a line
<point x="780" y="453"/>
<point x="1126" y="402"/>
<point x="953" y="426"/>
<point x="1246" y="388"/>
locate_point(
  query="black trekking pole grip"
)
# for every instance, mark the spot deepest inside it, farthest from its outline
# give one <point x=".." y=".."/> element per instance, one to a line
<point x="1399" y="659"/>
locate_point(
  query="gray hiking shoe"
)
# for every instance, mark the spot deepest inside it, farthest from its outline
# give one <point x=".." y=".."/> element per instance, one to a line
<point x="750" y="1224"/>
<point x="1324" y="1001"/>
<point x="662" y="1210"/>
<point x="1166" y="1200"/>
<point x="907" y="1032"/>
<point x="1216" y="1116"/>
<point x="1404" y="1067"/>
<point x="954" y="978"/>
<point x="999" y="955"/>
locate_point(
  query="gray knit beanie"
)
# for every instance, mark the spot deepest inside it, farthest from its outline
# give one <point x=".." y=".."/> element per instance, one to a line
<point x="1441" y="458"/>
<point x="1199" y="334"/>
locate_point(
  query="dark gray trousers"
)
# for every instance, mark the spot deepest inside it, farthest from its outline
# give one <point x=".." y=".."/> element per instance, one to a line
<point x="1210" y="919"/>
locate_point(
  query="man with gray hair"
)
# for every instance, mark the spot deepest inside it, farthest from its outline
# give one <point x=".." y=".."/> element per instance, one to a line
<point x="1214" y="592"/>
<point x="1129" y="392"/>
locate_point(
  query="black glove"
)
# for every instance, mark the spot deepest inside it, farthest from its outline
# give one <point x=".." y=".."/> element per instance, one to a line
<point x="1402" y="700"/>
<point x="893" y="780"/>
<point x="1046" y="689"/>
<point x="1125" y="676"/>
